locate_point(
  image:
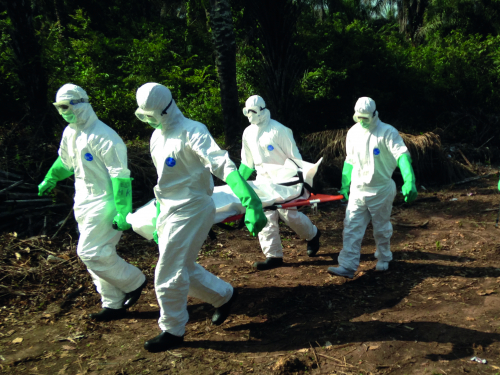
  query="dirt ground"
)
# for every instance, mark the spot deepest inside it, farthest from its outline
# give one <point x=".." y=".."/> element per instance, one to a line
<point x="437" y="306"/>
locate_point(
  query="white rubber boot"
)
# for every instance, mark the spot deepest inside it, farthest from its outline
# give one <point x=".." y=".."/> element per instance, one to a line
<point x="341" y="271"/>
<point x="382" y="266"/>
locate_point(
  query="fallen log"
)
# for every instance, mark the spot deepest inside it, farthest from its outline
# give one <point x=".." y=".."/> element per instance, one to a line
<point x="20" y="195"/>
<point x="24" y="202"/>
<point x="9" y="174"/>
<point x="28" y="210"/>
<point x="22" y="186"/>
<point x="472" y="179"/>
<point x="11" y="187"/>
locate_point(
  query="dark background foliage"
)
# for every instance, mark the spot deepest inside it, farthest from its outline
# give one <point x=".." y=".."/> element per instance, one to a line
<point x="428" y="64"/>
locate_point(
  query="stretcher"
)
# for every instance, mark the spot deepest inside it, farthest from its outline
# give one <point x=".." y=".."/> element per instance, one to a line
<point x="143" y="224"/>
<point x="312" y="201"/>
<point x="287" y="186"/>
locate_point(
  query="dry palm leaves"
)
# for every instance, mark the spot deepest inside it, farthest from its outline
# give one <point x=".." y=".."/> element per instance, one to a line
<point x="431" y="164"/>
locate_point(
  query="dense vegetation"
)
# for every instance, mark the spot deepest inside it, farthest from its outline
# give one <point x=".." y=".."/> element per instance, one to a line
<point x="427" y="63"/>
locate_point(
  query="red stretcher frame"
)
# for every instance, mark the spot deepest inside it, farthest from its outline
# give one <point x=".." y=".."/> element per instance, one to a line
<point x="314" y="199"/>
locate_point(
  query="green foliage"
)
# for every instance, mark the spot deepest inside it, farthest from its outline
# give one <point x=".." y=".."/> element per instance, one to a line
<point x="449" y="80"/>
<point x="439" y="247"/>
<point x="452" y="83"/>
<point x="9" y="87"/>
<point x="112" y="68"/>
<point x="464" y="71"/>
<point x="348" y="60"/>
<point x="467" y="16"/>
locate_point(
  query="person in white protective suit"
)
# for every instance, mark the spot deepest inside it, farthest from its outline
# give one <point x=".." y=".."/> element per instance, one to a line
<point x="185" y="155"/>
<point x="97" y="157"/>
<point x="373" y="149"/>
<point x="266" y="142"/>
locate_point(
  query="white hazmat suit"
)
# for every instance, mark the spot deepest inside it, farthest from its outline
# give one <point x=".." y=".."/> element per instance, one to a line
<point x="96" y="154"/>
<point x="184" y="154"/>
<point x="373" y="149"/>
<point x="266" y="144"/>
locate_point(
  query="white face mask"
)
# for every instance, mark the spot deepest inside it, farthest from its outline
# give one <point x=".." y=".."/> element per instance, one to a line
<point x="153" y="122"/>
<point x="253" y="118"/>
<point x="153" y="117"/>
<point x="69" y="116"/>
<point x="65" y="109"/>
<point x="364" y="119"/>
<point x="253" y="114"/>
<point x="365" y="123"/>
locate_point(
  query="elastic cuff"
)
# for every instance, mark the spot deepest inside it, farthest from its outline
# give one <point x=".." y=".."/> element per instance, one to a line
<point x="179" y="331"/>
<point x="113" y="305"/>
<point x="138" y="283"/>
<point x="226" y="300"/>
<point x="314" y="235"/>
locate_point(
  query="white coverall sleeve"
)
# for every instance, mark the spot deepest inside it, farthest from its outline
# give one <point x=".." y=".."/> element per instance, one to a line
<point x="152" y="142"/>
<point x="288" y="145"/>
<point x="64" y="151"/>
<point x="246" y="154"/>
<point x="114" y="157"/>
<point x="348" y="149"/>
<point x="395" y="144"/>
<point x="210" y="154"/>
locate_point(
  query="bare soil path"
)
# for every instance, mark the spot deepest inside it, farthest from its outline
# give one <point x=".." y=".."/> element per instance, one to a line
<point x="436" y="307"/>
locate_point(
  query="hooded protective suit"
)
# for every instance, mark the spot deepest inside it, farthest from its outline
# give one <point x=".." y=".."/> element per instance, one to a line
<point x="96" y="155"/>
<point x="373" y="149"/>
<point x="185" y="155"/>
<point x="267" y="143"/>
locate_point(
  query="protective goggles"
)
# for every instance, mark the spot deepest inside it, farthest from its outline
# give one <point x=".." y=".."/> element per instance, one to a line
<point x="252" y="110"/>
<point x="145" y="115"/>
<point x="363" y="116"/>
<point x="63" y="105"/>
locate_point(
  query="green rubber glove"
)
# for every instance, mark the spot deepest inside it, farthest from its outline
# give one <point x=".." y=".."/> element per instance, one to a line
<point x="255" y="219"/>
<point x="122" y="192"/>
<point x="245" y="171"/>
<point x="409" y="188"/>
<point x="346" y="181"/>
<point x="57" y="172"/>
<point x="155" y="233"/>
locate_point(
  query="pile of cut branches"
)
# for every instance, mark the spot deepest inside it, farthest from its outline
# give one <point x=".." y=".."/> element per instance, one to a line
<point x="23" y="211"/>
<point x="38" y="271"/>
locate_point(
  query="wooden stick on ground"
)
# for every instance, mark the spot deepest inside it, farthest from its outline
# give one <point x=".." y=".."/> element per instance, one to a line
<point x="337" y="360"/>
<point x="11" y="186"/>
<point x="315" y="357"/>
<point x="472" y="179"/>
<point x="62" y="225"/>
<point x="467" y="160"/>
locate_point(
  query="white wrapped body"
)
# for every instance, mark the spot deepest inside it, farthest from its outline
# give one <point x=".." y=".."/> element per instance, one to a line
<point x="270" y="192"/>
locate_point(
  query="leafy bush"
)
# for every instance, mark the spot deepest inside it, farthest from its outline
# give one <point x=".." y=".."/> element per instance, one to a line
<point x="111" y="69"/>
<point x="450" y="81"/>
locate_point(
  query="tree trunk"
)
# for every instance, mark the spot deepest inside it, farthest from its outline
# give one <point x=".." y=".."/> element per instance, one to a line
<point x="221" y="22"/>
<point x="61" y="17"/>
<point x="27" y="52"/>
<point x="283" y="64"/>
<point x="411" y="17"/>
